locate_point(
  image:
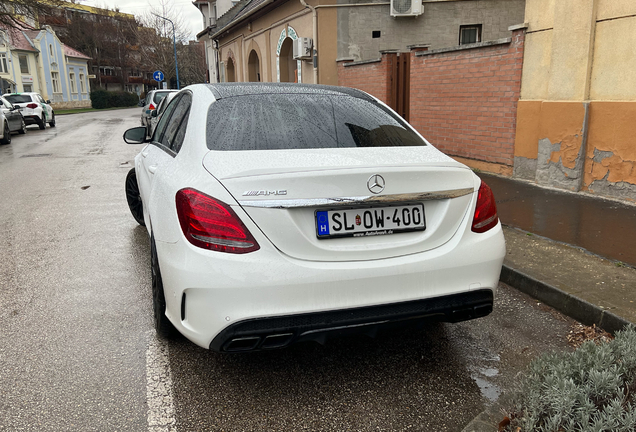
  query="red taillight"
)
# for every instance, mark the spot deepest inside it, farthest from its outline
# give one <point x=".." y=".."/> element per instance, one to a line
<point x="485" y="211"/>
<point x="32" y="106"/>
<point x="211" y="224"/>
<point x="151" y="107"/>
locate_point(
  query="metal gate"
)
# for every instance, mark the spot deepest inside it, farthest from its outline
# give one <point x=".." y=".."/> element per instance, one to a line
<point x="401" y="83"/>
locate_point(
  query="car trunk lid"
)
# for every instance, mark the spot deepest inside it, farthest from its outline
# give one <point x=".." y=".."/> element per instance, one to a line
<point x="285" y="191"/>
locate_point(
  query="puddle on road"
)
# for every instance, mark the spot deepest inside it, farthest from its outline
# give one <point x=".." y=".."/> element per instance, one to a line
<point x="483" y="376"/>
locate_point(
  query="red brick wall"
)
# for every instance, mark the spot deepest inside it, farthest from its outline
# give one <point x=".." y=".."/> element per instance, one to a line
<point x="373" y="78"/>
<point x="465" y="102"/>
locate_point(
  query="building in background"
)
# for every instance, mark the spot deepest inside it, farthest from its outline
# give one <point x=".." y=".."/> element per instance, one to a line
<point x="37" y="61"/>
<point x="211" y="11"/>
<point x="18" y="62"/>
<point x="576" y="126"/>
<point x="110" y="38"/>
<point x="254" y="39"/>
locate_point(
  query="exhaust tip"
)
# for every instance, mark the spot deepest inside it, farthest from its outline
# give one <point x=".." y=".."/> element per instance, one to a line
<point x="242" y="344"/>
<point x="277" y="341"/>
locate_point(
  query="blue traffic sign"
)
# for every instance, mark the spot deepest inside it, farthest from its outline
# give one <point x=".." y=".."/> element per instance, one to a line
<point x="158" y="76"/>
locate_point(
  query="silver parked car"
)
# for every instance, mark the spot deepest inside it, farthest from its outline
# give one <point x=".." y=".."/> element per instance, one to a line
<point x="14" y="122"/>
<point x="151" y="103"/>
<point x="156" y="114"/>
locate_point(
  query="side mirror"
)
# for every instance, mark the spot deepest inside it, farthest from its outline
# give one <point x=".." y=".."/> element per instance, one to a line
<point x="48" y="101"/>
<point x="136" y="135"/>
<point x="153" y="113"/>
<point x="13" y="107"/>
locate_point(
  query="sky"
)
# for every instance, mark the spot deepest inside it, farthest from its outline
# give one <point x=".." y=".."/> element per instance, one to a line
<point x="191" y="15"/>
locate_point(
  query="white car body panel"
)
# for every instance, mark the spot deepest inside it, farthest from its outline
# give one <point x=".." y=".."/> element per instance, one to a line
<point x="293" y="272"/>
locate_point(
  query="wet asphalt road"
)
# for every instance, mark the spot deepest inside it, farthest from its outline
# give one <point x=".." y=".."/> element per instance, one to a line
<point x="77" y="349"/>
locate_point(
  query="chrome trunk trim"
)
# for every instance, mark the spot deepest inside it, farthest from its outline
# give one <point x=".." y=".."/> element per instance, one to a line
<point x="347" y="201"/>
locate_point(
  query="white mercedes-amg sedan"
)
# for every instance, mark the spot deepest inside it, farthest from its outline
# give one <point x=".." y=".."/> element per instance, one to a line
<point x="280" y="213"/>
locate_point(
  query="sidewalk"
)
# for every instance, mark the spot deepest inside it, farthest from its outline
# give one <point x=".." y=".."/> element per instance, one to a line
<point x="573" y="252"/>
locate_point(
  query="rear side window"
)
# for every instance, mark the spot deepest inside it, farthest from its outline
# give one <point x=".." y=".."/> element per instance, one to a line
<point x="158" y="96"/>
<point x="163" y="121"/>
<point x="303" y="121"/>
<point x="176" y="126"/>
<point x="14" y="99"/>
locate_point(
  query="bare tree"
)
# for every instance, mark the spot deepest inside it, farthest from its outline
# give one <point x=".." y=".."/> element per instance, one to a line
<point x="23" y="13"/>
<point x="192" y="67"/>
<point x="104" y="37"/>
<point x="156" y="37"/>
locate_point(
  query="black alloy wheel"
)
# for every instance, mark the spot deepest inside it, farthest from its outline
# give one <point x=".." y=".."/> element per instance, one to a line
<point x="163" y="326"/>
<point x="134" y="199"/>
<point x="6" y="139"/>
<point x="40" y="122"/>
<point x="52" y="122"/>
<point x="22" y="129"/>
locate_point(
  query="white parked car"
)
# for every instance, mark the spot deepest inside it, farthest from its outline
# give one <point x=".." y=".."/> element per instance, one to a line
<point x="281" y="213"/>
<point x="34" y="108"/>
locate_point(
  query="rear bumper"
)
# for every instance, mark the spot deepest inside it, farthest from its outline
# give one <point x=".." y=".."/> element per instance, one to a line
<point x="279" y="332"/>
<point x="211" y="296"/>
<point x="31" y="119"/>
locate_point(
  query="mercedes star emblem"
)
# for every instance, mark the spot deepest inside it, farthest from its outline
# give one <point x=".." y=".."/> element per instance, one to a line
<point x="376" y="183"/>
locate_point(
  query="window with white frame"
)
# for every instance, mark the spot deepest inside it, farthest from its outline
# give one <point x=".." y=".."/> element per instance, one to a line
<point x="55" y="81"/>
<point x="82" y="85"/>
<point x="24" y="64"/>
<point x="73" y="84"/>
<point x="3" y="63"/>
<point x="469" y="34"/>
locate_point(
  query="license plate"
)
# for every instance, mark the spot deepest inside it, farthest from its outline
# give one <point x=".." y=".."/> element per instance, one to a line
<point x="370" y="221"/>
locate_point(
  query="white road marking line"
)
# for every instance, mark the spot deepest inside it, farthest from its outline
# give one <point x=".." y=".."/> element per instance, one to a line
<point x="161" y="414"/>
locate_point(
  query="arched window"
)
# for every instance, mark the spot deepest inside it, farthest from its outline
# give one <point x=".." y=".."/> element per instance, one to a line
<point x="288" y="72"/>
<point x="253" y="67"/>
<point x="230" y="74"/>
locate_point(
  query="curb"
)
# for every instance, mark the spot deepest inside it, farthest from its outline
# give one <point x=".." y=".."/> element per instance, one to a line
<point x="566" y="303"/>
<point x="570" y="305"/>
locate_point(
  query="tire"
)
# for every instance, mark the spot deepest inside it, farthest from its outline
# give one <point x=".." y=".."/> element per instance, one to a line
<point x="22" y="129"/>
<point x="134" y="199"/>
<point x="163" y="326"/>
<point x="40" y="122"/>
<point x="52" y="122"/>
<point x="6" y="138"/>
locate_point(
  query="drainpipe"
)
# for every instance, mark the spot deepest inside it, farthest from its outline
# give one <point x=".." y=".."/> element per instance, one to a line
<point x="315" y="36"/>
<point x="215" y="48"/>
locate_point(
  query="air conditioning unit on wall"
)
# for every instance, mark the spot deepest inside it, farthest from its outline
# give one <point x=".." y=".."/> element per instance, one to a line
<point x="402" y="8"/>
<point x="302" y="48"/>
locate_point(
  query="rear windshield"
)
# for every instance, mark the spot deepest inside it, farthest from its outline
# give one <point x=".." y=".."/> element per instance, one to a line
<point x="158" y="96"/>
<point x="14" y="99"/>
<point x="302" y="121"/>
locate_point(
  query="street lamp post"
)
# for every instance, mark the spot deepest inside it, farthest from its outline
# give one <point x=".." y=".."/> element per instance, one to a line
<point x="174" y="44"/>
